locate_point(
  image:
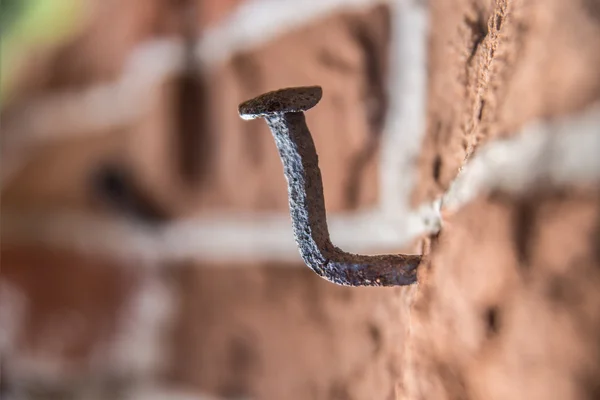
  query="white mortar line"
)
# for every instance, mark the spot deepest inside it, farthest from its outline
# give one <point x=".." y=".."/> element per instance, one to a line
<point x="137" y="347"/>
<point x="559" y="152"/>
<point x="404" y="128"/>
<point x="226" y="238"/>
<point x="94" y="110"/>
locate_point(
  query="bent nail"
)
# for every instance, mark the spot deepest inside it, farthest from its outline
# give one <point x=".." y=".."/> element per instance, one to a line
<point x="283" y="111"/>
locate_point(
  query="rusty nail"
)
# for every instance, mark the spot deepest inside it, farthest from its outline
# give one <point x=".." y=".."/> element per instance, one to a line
<point x="283" y="111"/>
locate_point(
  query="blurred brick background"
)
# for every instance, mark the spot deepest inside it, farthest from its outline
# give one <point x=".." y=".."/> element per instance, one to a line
<point x="84" y="323"/>
<point x="114" y="124"/>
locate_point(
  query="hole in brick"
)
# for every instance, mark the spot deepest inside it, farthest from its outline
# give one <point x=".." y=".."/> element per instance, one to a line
<point x="492" y="321"/>
<point x="437" y="167"/>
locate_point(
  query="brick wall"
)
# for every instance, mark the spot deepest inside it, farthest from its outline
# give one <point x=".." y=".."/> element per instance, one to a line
<point x="146" y="246"/>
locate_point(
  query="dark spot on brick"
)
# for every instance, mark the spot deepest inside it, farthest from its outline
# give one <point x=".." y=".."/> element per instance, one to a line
<point x="111" y="181"/>
<point x="492" y="321"/>
<point x="523" y="225"/>
<point x="498" y="21"/>
<point x="437" y="167"/>
<point x="114" y="187"/>
<point x="479" y="31"/>
<point x="481" y="107"/>
<point x="437" y="130"/>
<point x="376" y="337"/>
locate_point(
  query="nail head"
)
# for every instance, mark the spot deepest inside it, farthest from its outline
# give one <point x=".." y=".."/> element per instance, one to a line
<point x="295" y="99"/>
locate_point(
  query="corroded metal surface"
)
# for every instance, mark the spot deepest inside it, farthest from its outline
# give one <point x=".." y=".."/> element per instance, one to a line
<point x="282" y="110"/>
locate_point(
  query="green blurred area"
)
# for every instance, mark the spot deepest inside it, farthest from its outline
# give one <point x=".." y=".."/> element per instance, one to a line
<point x="29" y="24"/>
